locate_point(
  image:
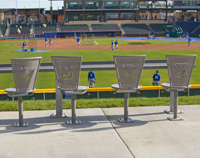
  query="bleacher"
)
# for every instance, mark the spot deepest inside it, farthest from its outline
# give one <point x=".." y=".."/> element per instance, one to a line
<point x="188" y="26"/>
<point x="3" y="28"/>
<point x="135" y="29"/>
<point x="40" y="28"/>
<point x="17" y="30"/>
<point x="74" y="28"/>
<point x="159" y="29"/>
<point x="105" y="27"/>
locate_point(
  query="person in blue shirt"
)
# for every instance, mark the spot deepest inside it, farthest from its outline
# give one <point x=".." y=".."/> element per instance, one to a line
<point x="116" y="45"/>
<point x="50" y="42"/>
<point x="24" y="46"/>
<point x="153" y="34"/>
<point x="45" y="41"/>
<point x="156" y="79"/>
<point x="91" y="79"/>
<point x="167" y="33"/>
<point x="189" y="41"/>
<point x="74" y="35"/>
<point x="78" y="41"/>
<point x="187" y="35"/>
<point x="112" y="45"/>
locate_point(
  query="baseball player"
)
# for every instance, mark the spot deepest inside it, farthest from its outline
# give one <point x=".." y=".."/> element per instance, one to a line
<point x="156" y="79"/>
<point x="91" y="79"/>
<point x="50" y="42"/>
<point x="78" y="41"/>
<point x="189" y="41"/>
<point x="112" y="45"/>
<point x="153" y="34"/>
<point x="24" y="46"/>
<point x="45" y="41"/>
<point x="116" y="45"/>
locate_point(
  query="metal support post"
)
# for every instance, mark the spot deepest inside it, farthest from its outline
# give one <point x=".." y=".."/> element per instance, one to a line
<point x="175" y="118"/>
<point x="73" y="106"/>
<point x="172" y="104"/>
<point x="21" y="123"/>
<point x="126" y="101"/>
<point x="59" y="103"/>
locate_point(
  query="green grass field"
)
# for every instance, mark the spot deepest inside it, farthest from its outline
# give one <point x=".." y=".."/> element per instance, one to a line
<point x="104" y="78"/>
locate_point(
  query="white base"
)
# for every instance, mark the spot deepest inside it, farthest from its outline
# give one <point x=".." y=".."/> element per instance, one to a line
<point x="18" y="125"/>
<point x="175" y="119"/>
<point x="73" y="123"/>
<point x="55" y="116"/>
<point x="125" y="121"/>
<point x="171" y="112"/>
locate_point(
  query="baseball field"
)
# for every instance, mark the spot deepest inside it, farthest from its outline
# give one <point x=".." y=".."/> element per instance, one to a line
<point x="153" y="49"/>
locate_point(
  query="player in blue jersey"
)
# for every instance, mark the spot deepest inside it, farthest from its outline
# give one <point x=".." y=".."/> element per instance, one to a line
<point x="156" y="79"/>
<point x="24" y="46"/>
<point x="74" y="35"/>
<point x="91" y="79"/>
<point x="149" y="35"/>
<point x="189" y="41"/>
<point x="116" y="45"/>
<point x="112" y="45"/>
<point x="187" y="35"/>
<point x="153" y="35"/>
<point x="78" y="41"/>
<point x="45" y="41"/>
<point x="167" y="33"/>
<point x="50" y="42"/>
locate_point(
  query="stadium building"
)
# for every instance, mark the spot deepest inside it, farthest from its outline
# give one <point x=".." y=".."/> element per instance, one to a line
<point x="104" y="18"/>
<point x="102" y="10"/>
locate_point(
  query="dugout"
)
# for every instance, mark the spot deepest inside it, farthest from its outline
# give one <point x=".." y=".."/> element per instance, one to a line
<point x="174" y="31"/>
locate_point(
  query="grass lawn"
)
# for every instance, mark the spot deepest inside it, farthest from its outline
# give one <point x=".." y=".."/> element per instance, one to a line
<point x="96" y="103"/>
<point x="104" y="78"/>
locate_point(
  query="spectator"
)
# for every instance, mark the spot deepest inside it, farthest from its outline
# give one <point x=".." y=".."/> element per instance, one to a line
<point x="156" y="79"/>
<point x="91" y="79"/>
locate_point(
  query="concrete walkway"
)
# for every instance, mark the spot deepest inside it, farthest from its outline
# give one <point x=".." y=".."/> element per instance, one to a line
<point x="100" y="135"/>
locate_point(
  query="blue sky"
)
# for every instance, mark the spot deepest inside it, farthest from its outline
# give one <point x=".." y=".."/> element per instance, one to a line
<point x="30" y="4"/>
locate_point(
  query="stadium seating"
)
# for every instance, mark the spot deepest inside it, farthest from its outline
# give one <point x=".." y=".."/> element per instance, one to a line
<point x="105" y="27"/>
<point x="40" y="28"/>
<point x="188" y="26"/>
<point x="135" y="29"/>
<point x="19" y="30"/>
<point x="159" y="29"/>
<point x="74" y="28"/>
<point x="3" y="29"/>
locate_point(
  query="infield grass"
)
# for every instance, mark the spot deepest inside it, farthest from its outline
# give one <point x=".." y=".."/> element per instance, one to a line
<point x="104" y="78"/>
